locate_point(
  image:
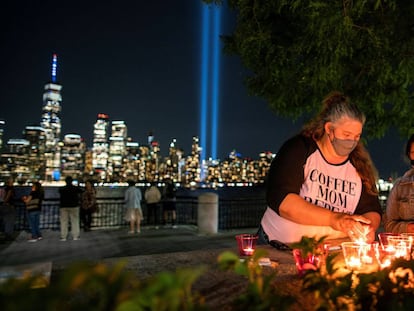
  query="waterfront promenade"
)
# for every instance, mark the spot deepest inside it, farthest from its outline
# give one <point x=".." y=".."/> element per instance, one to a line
<point x="144" y="255"/>
<point x="147" y="254"/>
<point x="101" y="244"/>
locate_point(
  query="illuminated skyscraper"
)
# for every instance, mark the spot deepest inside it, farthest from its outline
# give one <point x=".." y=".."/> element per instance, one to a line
<point x="36" y="137"/>
<point x="150" y="158"/>
<point x="73" y="156"/>
<point x="100" y="149"/>
<point x="117" y="148"/>
<point x="2" y="124"/>
<point x="51" y="124"/>
<point x="173" y="160"/>
<point x="15" y="161"/>
<point x="131" y="163"/>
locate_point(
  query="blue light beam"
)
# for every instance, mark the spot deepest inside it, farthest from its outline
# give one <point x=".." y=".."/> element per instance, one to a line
<point x="204" y="86"/>
<point x="210" y="80"/>
<point x="215" y="47"/>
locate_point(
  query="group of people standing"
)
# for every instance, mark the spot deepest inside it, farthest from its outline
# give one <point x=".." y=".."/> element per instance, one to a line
<point x="153" y="197"/>
<point x="76" y="203"/>
<point x="77" y="206"/>
<point x="33" y="202"/>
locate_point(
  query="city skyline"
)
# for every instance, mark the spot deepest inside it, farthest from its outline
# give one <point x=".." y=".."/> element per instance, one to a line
<point x="138" y="63"/>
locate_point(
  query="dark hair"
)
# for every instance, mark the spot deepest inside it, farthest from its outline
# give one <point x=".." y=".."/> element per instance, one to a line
<point x="37" y="185"/>
<point x="408" y="146"/>
<point x="334" y="107"/>
<point x="38" y="188"/>
<point x="131" y="183"/>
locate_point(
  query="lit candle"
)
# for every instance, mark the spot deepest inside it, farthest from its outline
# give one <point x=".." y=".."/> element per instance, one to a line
<point x="390" y="249"/>
<point x="353" y="262"/>
<point x="248" y="251"/>
<point x="401" y="247"/>
<point x="385" y="263"/>
<point x="367" y="259"/>
<point x="363" y="253"/>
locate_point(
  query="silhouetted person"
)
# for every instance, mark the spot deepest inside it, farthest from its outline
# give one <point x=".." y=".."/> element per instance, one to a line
<point x="153" y="197"/>
<point x="89" y="205"/>
<point x="69" y="209"/>
<point x="8" y="213"/>
<point x="34" y="207"/>
<point x="169" y="200"/>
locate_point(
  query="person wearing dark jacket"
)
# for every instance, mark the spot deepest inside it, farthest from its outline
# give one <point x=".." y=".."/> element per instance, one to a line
<point x="69" y="209"/>
<point x="34" y="206"/>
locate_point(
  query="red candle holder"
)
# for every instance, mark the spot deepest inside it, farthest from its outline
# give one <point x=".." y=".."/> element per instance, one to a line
<point x="306" y="262"/>
<point x="246" y="244"/>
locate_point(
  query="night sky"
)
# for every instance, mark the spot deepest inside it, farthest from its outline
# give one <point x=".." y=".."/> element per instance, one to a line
<point x="137" y="61"/>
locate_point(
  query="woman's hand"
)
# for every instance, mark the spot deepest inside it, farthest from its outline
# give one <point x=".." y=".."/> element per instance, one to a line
<point x="357" y="227"/>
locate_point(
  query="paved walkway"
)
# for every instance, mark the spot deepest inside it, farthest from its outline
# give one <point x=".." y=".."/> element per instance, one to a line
<point x="111" y="243"/>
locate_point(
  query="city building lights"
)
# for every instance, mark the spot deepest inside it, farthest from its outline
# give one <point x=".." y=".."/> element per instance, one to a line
<point x="114" y="157"/>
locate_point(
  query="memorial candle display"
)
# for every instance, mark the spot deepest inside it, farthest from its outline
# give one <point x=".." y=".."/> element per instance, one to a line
<point x="358" y="256"/>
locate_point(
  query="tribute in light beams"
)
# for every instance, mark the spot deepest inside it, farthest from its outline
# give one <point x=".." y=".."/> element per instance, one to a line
<point x="210" y="78"/>
<point x="54" y="68"/>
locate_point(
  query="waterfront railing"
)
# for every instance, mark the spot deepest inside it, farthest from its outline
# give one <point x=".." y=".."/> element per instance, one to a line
<point x="232" y="213"/>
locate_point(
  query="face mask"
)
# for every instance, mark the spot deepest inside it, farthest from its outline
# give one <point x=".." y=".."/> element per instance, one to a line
<point x="412" y="162"/>
<point x="343" y="147"/>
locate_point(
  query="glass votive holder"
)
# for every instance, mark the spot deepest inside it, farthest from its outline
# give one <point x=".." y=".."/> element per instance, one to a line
<point x="401" y="245"/>
<point x="385" y="256"/>
<point x="410" y="235"/>
<point x="246" y="244"/>
<point x="359" y="256"/>
<point x="383" y="238"/>
<point x="305" y="262"/>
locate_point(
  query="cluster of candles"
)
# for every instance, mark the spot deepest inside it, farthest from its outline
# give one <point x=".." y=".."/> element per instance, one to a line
<point x="361" y="255"/>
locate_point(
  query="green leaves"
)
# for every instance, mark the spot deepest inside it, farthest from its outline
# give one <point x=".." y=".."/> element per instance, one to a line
<point x="167" y="292"/>
<point x="309" y="245"/>
<point x="298" y="51"/>
<point x="260" y="295"/>
<point x="87" y="286"/>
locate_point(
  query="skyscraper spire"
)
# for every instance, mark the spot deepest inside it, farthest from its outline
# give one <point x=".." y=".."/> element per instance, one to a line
<point x="54" y="67"/>
<point x="50" y="122"/>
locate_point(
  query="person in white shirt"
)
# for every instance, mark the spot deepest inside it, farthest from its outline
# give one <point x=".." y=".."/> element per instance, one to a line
<point x="133" y="214"/>
<point x="322" y="182"/>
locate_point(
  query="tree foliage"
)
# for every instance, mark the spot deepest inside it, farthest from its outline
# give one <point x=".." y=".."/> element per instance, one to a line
<point x="298" y="51"/>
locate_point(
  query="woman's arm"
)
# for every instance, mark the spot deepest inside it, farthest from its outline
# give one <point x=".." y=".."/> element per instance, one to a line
<point x="27" y="198"/>
<point x="285" y="175"/>
<point x="296" y="209"/>
<point x="375" y="219"/>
